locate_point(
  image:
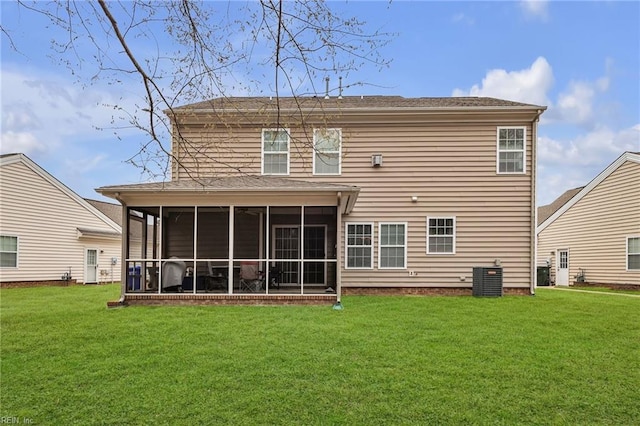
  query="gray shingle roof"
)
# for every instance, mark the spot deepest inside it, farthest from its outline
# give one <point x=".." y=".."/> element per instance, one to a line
<point x="545" y="212"/>
<point x="235" y="184"/>
<point x="112" y="211"/>
<point x="351" y="102"/>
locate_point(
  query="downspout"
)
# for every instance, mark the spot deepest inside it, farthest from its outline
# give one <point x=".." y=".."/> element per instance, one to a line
<point x="124" y="246"/>
<point x="534" y="222"/>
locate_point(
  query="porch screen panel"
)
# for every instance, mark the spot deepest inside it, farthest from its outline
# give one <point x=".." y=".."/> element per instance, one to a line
<point x="287" y="246"/>
<point x="314" y="248"/>
<point x="213" y="233"/>
<point x="249" y="233"/>
<point x="178" y="227"/>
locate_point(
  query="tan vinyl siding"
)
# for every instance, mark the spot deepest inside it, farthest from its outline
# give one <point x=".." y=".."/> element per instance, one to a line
<point x="595" y="229"/>
<point x="448" y="162"/>
<point x="46" y="219"/>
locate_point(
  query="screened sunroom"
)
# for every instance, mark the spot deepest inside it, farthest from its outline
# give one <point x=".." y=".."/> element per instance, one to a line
<point x="259" y="236"/>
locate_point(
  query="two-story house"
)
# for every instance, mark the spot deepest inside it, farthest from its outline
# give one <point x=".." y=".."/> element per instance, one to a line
<point x="301" y="200"/>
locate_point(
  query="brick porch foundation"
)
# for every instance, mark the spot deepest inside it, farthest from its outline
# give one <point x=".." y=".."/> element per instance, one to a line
<point x="224" y="299"/>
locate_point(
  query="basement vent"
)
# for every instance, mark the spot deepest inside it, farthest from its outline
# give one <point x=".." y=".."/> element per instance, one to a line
<point x="487" y="281"/>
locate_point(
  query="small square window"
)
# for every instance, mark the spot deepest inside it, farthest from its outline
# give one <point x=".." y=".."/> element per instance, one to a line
<point x="441" y="235"/>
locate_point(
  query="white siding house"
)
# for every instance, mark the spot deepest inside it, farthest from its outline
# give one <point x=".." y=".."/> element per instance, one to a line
<point x="592" y="234"/>
<point x="48" y="231"/>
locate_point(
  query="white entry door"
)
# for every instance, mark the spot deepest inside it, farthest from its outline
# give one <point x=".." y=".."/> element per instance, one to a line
<point x="91" y="266"/>
<point x="562" y="268"/>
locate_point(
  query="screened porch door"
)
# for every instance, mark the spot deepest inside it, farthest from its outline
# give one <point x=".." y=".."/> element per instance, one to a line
<point x="287" y="246"/>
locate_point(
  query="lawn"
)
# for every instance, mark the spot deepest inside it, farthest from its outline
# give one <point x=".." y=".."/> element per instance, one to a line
<point x="557" y="358"/>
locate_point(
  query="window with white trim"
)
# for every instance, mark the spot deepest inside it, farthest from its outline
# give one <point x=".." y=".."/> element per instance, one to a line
<point x="275" y="151"/>
<point x="327" y="145"/>
<point x="633" y="253"/>
<point x="511" y="149"/>
<point x="8" y="251"/>
<point x="392" y="253"/>
<point x="441" y="235"/>
<point x="359" y="241"/>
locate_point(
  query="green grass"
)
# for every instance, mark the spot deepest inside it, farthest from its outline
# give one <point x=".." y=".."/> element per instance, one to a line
<point x="560" y="358"/>
<point x="605" y="289"/>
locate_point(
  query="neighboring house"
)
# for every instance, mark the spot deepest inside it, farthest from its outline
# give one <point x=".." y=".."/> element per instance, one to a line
<point x="330" y="196"/>
<point x="48" y="232"/>
<point x="592" y="234"/>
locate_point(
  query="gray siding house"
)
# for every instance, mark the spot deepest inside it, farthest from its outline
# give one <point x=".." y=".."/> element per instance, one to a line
<point x="324" y="197"/>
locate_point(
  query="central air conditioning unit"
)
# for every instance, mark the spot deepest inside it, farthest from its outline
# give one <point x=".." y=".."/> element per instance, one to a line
<point x="487" y="281"/>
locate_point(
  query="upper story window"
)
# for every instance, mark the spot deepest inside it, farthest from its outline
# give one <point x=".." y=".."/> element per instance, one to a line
<point x="511" y="149"/>
<point x="275" y="151"/>
<point x="327" y="145"/>
<point x="441" y="235"/>
<point x="8" y="251"/>
<point x="359" y="239"/>
<point x="633" y="253"/>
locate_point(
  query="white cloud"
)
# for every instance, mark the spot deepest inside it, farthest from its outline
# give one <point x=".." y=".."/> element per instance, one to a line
<point x="566" y="164"/>
<point x="21" y="142"/>
<point x="41" y="113"/>
<point x="589" y="149"/>
<point x="529" y="85"/>
<point x="575" y="105"/>
<point x="535" y="9"/>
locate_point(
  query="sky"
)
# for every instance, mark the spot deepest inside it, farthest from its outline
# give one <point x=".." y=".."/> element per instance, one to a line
<point x="580" y="59"/>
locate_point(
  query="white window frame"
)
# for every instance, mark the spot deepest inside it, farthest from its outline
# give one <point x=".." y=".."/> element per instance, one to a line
<point x="286" y="130"/>
<point x="453" y="237"/>
<point x="17" y="252"/>
<point x="317" y="152"/>
<point x="347" y="246"/>
<point x="404" y="246"/>
<point x="631" y="254"/>
<point x="523" y="150"/>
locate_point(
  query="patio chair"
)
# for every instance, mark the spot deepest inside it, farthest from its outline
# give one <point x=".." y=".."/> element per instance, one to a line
<point x="217" y="277"/>
<point x="251" y="278"/>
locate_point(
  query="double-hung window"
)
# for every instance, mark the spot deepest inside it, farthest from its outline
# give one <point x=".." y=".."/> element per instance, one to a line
<point x="511" y="149"/>
<point x="327" y="145"/>
<point x="393" y="246"/>
<point x="359" y="240"/>
<point x="275" y="151"/>
<point x="8" y="251"/>
<point x="633" y="253"/>
<point x="441" y="235"/>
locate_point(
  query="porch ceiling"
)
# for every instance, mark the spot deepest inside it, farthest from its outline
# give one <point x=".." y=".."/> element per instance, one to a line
<point x="240" y="185"/>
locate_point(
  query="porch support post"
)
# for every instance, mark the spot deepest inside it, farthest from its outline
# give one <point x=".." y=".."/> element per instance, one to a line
<point x="231" y="235"/>
<point x="124" y="246"/>
<point x="301" y="255"/>
<point x="339" y="247"/>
